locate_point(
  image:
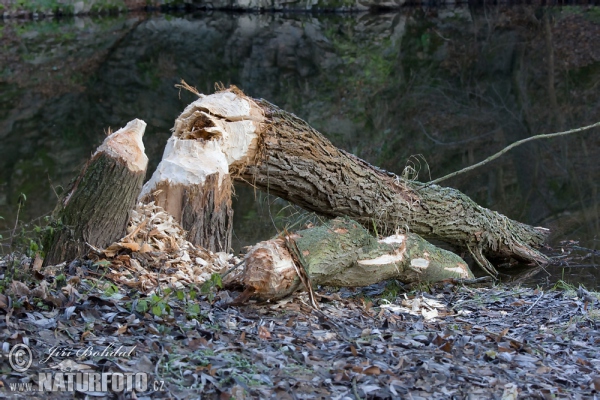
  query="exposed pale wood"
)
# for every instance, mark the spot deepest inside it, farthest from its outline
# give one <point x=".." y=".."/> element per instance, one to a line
<point x="212" y="136"/>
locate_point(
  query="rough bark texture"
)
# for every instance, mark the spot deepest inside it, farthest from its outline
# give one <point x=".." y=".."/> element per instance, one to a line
<point x="343" y="253"/>
<point x="300" y="165"/>
<point x="208" y="214"/>
<point x="192" y="182"/>
<point x="95" y="210"/>
<point x="204" y="210"/>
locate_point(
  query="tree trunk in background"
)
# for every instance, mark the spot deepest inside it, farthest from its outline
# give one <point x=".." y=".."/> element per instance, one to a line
<point x="95" y="210"/>
<point x="342" y="253"/>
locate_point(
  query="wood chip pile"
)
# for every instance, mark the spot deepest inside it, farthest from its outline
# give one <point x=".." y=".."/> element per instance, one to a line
<point x="155" y="250"/>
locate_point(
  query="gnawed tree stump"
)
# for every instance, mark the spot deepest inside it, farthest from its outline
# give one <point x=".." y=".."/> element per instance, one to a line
<point x="343" y="253"/>
<point x="95" y="209"/>
<point x="192" y="182"/>
<point x="292" y="160"/>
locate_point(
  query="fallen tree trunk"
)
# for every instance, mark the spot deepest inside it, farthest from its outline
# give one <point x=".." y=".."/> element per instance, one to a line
<point x="302" y="166"/>
<point x="290" y="159"/>
<point x="342" y="253"/>
<point x="95" y="209"/>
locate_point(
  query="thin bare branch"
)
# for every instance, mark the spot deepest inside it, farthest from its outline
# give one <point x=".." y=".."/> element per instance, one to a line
<point x="510" y="147"/>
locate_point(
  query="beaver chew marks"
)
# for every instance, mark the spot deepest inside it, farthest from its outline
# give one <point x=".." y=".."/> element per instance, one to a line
<point x="212" y="136"/>
<point x="200" y="128"/>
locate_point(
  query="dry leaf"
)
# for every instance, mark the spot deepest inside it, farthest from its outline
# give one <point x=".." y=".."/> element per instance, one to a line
<point x="3" y="301"/>
<point x="19" y="289"/>
<point x="37" y="263"/>
<point x="263" y="332"/>
<point x="372" y="370"/>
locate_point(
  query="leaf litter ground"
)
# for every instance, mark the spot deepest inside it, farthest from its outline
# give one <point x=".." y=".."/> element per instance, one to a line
<point x="150" y="304"/>
<point x="449" y="342"/>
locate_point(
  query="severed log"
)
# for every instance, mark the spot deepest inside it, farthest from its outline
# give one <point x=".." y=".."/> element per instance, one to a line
<point x="95" y="209"/>
<point x="192" y="181"/>
<point x="343" y="253"/>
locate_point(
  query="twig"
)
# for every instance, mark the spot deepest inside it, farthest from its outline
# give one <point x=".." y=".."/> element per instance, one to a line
<point x="298" y="262"/>
<point x="483" y="279"/>
<point x="512" y="146"/>
<point x="483" y="262"/>
<point x="95" y="249"/>
<point x="458" y="141"/>
<point x="354" y="389"/>
<point x="157" y="365"/>
<point x="232" y="268"/>
<point x="19" y="204"/>
<point x="534" y="303"/>
<point x="186" y="86"/>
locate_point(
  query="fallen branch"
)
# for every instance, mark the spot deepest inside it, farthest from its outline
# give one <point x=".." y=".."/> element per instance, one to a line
<point x="510" y="147"/>
<point x="534" y="303"/>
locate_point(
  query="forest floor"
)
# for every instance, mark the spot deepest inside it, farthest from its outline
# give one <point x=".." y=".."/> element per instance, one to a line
<point x="384" y="341"/>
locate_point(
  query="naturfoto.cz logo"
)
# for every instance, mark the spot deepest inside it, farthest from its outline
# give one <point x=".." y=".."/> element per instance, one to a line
<point x="20" y="359"/>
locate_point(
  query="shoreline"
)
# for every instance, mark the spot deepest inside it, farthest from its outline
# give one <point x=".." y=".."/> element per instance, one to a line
<point x="91" y="8"/>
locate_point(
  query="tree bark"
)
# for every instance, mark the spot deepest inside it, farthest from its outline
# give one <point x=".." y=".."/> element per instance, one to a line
<point x="342" y="253"/>
<point x="192" y="181"/>
<point x="290" y="159"/>
<point x="95" y="209"/>
<point x="300" y="165"/>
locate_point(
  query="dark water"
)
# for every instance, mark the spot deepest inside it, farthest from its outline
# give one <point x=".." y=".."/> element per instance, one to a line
<point x="435" y="89"/>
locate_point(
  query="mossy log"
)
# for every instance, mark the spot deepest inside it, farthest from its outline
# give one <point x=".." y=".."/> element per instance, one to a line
<point x="342" y="253"/>
<point x="290" y="159"/>
<point x="95" y="209"/>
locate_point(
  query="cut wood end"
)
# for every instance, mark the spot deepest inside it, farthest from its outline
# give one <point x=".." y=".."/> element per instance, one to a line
<point x="419" y="263"/>
<point x="181" y="165"/>
<point x="229" y="118"/>
<point x="461" y="269"/>
<point x="385" y="259"/>
<point x="270" y="270"/>
<point x="394" y="239"/>
<point x="126" y="144"/>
